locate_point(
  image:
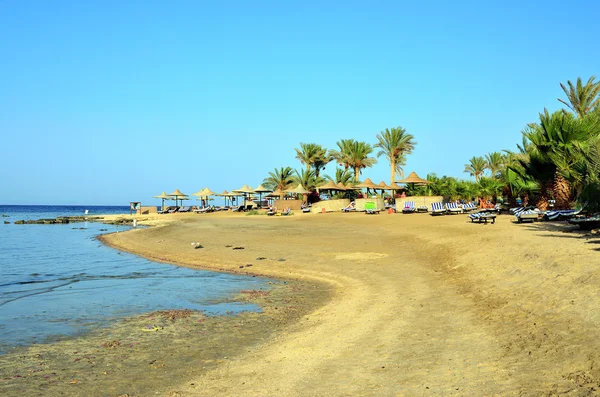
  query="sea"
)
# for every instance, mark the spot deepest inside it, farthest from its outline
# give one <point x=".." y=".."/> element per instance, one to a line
<point x="58" y="281"/>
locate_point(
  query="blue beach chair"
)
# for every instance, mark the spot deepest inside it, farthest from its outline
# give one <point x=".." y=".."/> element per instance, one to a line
<point x="437" y="209"/>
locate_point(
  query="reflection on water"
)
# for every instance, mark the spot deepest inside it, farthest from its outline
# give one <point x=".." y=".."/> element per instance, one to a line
<point x="59" y="280"/>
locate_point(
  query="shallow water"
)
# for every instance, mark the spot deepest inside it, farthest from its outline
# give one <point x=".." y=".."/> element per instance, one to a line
<point x="58" y="280"/>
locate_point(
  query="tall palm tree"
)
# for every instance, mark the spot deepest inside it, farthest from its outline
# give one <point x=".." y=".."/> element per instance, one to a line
<point x="395" y="144"/>
<point x="495" y="162"/>
<point x="359" y="157"/>
<point x="313" y="155"/>
<point x="342" y="155"/>
<point x="582" y="99"/>
<point x="279" y="179"/>
<point x="476" y="167"/>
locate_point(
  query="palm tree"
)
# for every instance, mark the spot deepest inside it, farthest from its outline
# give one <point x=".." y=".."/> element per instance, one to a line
<point x="359" y="157"/>
<point x="308" y="179"/>
<point x="489" y="188"/>
<point x="341" y="175"/>
<point x="279" y="179"/>
<point x="395" y="144"/>
<point x="476" y="167"/>
<point x="495" y="162"/>
<point x="557" y="141"/>
<point x="342" y="155"/>
<point x="582" y="99"/>
<point x="313" y="155"/>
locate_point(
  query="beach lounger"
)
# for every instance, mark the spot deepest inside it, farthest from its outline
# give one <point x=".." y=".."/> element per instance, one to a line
<point x="408" y="207"/>
<point x="286" y="212"/>
<point x="238" y="209"/>
<point x="528" y="215"/>
<point x="249" y="207"/>
<point x="272" y="211"/>
<point x="437" y="209"/>
<point x="559" y="215"/>
<point x="422" y="208"/>
<point x="185" y="209"/>
<point x="484" y="217"/>
<point x="173" y="210"/>
<point x="452" y="208"/>
<point x="165" y="211"/>
<point x="371" y="209"/>
<point x="468" y="207"/>
<point x="584" y="223"/>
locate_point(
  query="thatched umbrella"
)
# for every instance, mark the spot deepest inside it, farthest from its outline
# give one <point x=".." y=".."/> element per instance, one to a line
<point x="177" y="194"/>
<point x="163" y="196"/>
<point x="245" y="190"/>
<point x="204" y="194"/>
<point x="260" y="190"/>
<point x="414" y="179"/>
<point x="299" y="190"/>
<point x="329" y="186"/>
<point x="383" y="186"/>
<point x="367" y="184"/>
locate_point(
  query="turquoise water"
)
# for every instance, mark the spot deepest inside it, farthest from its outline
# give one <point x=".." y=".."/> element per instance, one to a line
<point x="59" y="281"/>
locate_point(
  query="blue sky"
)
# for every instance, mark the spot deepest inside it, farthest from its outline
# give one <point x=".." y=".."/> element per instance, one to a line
<point x="110" y="102"/>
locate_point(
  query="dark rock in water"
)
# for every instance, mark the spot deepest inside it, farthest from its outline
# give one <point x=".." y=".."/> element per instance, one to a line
<point x="5" y="216"/>
<point x="6" y="222"/>
<point x="20" y="222"/>
<point x="103" y="230"/>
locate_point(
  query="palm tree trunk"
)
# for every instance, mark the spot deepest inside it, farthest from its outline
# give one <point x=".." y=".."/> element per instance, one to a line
<point x="393" y="165"/>
<point x="356" y="173"/>
<point x="561" y="190"/>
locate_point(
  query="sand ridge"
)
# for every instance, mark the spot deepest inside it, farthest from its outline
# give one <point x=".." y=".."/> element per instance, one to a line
<point x="420" y="305"/>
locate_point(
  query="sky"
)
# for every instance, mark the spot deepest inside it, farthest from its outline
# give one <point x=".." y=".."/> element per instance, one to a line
<point x="110" y="102"/>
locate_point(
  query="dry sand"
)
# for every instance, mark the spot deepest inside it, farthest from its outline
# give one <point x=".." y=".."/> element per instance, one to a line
<point x="419" y="305"/>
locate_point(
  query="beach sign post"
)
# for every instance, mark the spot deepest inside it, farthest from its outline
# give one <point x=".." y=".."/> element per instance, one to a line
<point x="134" y="206"/>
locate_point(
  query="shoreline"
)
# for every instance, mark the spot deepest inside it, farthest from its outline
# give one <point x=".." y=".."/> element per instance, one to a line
<point x="414" y="304"/>
<point x="154" y="347"/>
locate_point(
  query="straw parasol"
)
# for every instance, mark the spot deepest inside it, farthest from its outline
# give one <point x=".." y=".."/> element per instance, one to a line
<point x="260" y="190"/>
<point x="245" y="190"/>
<point x="163" y="196"/>
<point x="383" y="186"/>
<point x="367" y="184"/>
<point x="178" y="194"/>
<point x="298" y="190"/>
<point x="414" y="179"/>
<point x="329" y="186"/>
<point x="204" y="194"/>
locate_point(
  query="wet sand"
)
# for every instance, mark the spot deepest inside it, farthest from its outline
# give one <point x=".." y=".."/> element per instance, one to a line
<point x="394" y="305"/>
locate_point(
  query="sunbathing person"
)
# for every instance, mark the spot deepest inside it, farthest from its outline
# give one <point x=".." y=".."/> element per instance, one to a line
<point x="350" y="207"/>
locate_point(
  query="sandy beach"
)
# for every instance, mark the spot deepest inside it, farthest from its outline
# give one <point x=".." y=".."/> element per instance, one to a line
<point x="417" y="305"/>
